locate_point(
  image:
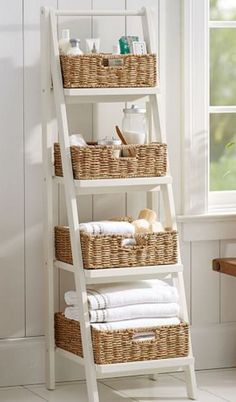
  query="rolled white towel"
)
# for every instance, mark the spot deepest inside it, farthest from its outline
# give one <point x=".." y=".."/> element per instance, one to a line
<point x="123" y="294"/>
<point x="107" y="227"/>
<point x="148" y="310"/>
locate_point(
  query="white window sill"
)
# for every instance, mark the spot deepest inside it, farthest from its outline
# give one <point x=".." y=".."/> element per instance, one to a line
<point x="212" y="216"/>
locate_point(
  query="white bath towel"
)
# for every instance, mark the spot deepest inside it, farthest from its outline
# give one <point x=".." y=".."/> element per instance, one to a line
<point x="123" y="294"/>
<point x="107" y="227"/>
<point x="139" y="323"/>
<point x="148" y="310"/>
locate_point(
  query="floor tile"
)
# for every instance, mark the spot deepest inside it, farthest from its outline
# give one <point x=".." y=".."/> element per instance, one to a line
<point x="76" y="392"/>
<point x="219" y="382"/>
<point x="18" y="394"/>
<point x="167" y="388"/>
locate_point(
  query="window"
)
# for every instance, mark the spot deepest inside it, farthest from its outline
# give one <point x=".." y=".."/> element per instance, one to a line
<point x="222" y="102"/>
<point x="209" y="84"/>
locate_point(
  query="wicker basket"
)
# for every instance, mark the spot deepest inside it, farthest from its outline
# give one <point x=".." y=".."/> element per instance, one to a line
<point x="98" y="161"/>
<point x="106" y="251"/>
<point x="122" y="346"/>
<point x="93" y="71"/>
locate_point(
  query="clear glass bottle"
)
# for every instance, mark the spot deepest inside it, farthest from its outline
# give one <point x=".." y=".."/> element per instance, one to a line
<point x="134" y="125"/>
<point x="64" y="42"/>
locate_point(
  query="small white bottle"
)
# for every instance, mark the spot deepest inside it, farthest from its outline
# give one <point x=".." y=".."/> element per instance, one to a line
<point x="64" y="42"/>
<point x="116" y="49"/>
<point x="74" y="49"/>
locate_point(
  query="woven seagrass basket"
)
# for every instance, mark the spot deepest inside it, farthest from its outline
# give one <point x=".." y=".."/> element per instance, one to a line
<point x="99" y="162"/>
<point x="93" y="71"/>
<point x="122" y="346"/>
<point x="106" y="251"/>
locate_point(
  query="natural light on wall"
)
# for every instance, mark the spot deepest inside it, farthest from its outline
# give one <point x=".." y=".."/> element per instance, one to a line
<point x="222" y="116"/>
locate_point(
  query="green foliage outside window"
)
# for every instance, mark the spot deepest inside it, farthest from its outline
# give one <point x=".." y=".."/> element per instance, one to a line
<point x="222" y="93"/>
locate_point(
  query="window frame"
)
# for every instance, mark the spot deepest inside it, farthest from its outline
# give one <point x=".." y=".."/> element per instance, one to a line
<point x="196" y="105"/>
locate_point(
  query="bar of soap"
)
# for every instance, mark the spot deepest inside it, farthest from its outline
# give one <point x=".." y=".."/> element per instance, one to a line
<point x="141" y="226"/>
<point x="148" y="214"/>
<point x="156" y="227"/>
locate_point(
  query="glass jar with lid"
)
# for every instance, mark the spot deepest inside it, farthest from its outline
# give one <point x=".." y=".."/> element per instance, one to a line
<point x="134" y="125"/>
<point x="114" y="142"/>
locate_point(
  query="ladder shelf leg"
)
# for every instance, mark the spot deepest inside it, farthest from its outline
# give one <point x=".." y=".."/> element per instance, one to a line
<point x="170" y="221"/>
<point x="190" y="382"/>
<point x="48" y="199"/>
<point x="72" y="211"/>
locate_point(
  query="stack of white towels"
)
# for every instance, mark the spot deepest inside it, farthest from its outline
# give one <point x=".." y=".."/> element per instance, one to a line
<point x="141" y="304"/>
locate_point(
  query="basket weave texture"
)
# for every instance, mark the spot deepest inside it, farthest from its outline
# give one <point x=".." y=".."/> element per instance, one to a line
<point x="120" y="346"/>
<point x="98" y="161"/>
<point x="92" y="71"/>
<point x="106" y="251"/>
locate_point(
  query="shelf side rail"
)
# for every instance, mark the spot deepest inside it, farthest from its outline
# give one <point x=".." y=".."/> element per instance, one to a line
<point x="99" y="13"/>
<point x="48" y="224"/>
<point x="72" y="211"/>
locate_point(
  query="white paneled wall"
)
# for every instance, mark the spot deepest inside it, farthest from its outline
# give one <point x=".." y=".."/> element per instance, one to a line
<point x="210" y="296"/>
<point x="205" y="282"/>
<point x="12" y="253"/>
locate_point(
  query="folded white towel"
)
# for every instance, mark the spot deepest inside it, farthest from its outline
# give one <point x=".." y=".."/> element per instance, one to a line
<point x="78" y="140"/>
<point x="148" y="310"/>
<point x="107" y="227"/>
<point x="139" y="323"/>
<point x="123" y="294"/>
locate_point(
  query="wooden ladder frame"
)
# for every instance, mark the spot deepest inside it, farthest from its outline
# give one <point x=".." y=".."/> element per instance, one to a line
<point x="53" y="94"/>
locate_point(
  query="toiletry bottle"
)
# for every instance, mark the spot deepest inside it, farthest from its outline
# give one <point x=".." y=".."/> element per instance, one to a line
<point x="64" y="42"/>
<point x="116" y="49"/>
<point x="93" y="45"/>
<point x="74" y="49"/>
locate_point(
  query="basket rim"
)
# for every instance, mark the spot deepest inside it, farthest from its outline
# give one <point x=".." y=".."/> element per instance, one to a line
<point x="118" y="236"/>
<point x="182" y="324"/>
<point x="98" y="146"/>
<point x="107" y="55"/>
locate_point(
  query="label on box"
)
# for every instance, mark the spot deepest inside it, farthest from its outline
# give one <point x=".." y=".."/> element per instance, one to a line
<point x="115" y="62"/>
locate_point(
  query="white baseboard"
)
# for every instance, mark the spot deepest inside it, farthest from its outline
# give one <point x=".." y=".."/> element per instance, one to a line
<point x="214" y="346"/>
<point x="22" y="360"/>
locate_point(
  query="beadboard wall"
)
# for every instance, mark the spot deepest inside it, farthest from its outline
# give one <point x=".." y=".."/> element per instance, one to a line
<point x="211" y="298"/>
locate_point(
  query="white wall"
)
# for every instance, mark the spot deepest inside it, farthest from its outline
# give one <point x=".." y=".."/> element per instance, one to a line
<point x="210" y="296"/>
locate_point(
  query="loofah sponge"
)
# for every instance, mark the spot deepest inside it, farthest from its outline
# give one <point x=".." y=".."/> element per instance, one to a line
<point x="148" y="214"/>
<point x="141" y="226"/>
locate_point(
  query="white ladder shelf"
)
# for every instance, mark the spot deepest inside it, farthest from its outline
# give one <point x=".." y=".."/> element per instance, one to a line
<point x="58" y="96"/>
